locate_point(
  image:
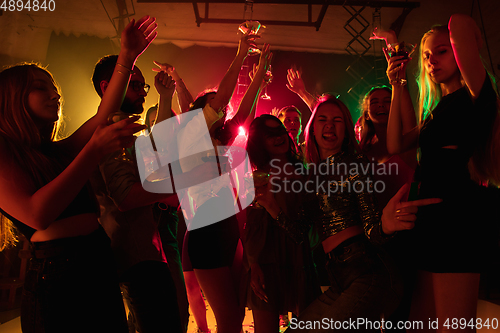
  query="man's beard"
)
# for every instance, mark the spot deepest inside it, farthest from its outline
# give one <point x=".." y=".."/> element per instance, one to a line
<point x="133" y="107"/>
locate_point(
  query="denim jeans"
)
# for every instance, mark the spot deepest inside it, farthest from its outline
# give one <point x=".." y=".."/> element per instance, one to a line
<point x="364" y="288"/>
<point x="72" y="286"/>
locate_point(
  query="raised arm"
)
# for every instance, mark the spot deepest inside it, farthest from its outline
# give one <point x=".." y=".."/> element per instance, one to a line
<point x="466" y="42"/>
<point x="296" y="85"/>
<point x="184" y="97"/>
<point x="39" y="207"/>
<point x="267" y="79"/>
<point x="165" y="85"/>
<point x="402" y="129"/>
<point x="228" y="83"/>
<point x="403" y="117"/>
<point x="249" y="100"/>
<point x="135" y="38"/>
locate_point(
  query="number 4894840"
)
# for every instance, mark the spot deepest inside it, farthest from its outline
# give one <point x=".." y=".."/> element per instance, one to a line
<point x="29" y="5"/>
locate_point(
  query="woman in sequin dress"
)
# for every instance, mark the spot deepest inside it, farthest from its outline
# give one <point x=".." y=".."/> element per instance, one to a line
<point x="363" y="282"/>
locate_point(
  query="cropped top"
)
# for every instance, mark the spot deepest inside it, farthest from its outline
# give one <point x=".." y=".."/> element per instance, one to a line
<point x="343" y="198"/>
<point x="84" y="202"/>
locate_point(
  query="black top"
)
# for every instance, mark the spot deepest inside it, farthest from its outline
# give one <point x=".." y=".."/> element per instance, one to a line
<point x="456" y="234"/>
<point x="84" y="202"/>
<point x="459" y="122"/>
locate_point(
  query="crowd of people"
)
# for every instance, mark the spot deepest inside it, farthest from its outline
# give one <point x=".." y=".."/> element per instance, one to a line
<point x="317" y="237"/>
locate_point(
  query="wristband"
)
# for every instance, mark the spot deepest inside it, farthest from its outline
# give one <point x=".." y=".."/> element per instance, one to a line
<point x="129" y="70"/>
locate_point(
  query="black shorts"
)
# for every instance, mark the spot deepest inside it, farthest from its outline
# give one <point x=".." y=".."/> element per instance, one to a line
<point x="215" y="245"/>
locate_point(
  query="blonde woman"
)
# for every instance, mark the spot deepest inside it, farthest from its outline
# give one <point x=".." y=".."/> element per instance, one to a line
<point x="458" y="108"/>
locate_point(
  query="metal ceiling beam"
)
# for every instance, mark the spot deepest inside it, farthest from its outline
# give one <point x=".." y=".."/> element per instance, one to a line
<point x="309" y="23"/>
<point x="367" y="3"/>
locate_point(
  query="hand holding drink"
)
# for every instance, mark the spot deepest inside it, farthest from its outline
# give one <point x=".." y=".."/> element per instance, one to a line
<point x="250" y="29"/>
<point x="261" y="182"/>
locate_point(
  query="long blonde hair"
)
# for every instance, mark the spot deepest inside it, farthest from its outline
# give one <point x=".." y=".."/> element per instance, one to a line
<point x="484" y="165"/>
<point x="30" y="148"/>
<point x="429" y="92"/>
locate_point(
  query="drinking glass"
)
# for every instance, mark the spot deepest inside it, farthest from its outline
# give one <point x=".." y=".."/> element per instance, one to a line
<point x="400" y="49"/>
<point x="260" y="178"/>
<point x="254" y="27"/>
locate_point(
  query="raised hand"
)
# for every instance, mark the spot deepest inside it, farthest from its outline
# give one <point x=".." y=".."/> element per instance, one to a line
<point x="267" y="76"/>
<point x="275" y="112"/>
<point x="265" y="58"/>
<point x="167" y="68"/>
<point x="247" y="41"/>
<point x="389" y="36"/>
<point x="396" y="67"/>
<point x="401" y="215"/>
<point x="164" y="84"/>
<point x="295" y="83"/>
<point x="137" y="36"/>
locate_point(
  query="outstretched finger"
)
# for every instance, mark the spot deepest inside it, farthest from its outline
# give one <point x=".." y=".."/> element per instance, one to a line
<point x="270" y="57"/>
<point x="161" y="67"/>
<point x="421" y="202"/>
<point x="144" y="22"/>
<point x="141" y="21"/>
<point x="148" y="29"/>
<point x="265" y="50"/>
<point x="151" y="30"/>
<point x="152" y="37"/>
